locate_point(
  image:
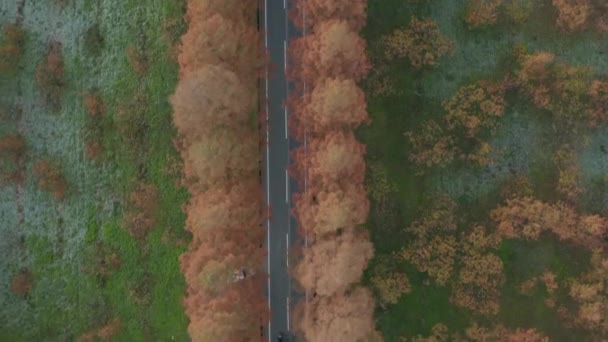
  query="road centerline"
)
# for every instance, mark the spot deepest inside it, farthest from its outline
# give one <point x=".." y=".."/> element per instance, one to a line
<point x="286" y="130"/>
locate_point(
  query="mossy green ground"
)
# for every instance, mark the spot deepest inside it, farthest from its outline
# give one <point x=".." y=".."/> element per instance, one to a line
<point x="63" y="243"/>
<point x="526" y="141"/>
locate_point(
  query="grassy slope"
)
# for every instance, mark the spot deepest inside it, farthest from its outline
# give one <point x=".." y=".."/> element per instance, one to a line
<point x="526" y="143"/>
<point x="63" y="241"/>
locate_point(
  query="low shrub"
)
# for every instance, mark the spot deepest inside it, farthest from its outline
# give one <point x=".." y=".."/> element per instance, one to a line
<point x="138" y="60"/>
<point x="12" y="149"/>
<point x="49" y="75"/>
<point x="11" y="47"/>
<point x="133" y="126"/>
<point x="93" y="103"/>
<point x="96" y="124"/>
<point x="142" y="203"/>
<point x="93" y="40"/>
<point x="108" y="261"/>
<point x="22" y="283"/>
<point x="50" y="179"/>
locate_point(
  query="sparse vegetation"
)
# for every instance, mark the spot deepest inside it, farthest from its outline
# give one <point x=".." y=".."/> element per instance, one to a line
<point x="50" y="179"/>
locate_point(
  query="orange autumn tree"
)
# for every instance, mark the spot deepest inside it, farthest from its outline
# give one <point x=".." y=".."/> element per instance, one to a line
<point x="527" y="218"/>
<point x="482" y="12"/>
<point x="479" y="282"/>
<point x="472" y="113"/>
<point x="237" y="209"/>
<point x="333" y="50"/>
<point x="568" y="184"/>
<point x="431" y="145"/>
<point x="215" y="98"/>
<point x="235" y="316"/>
<point x="332" y="105"/>
<point x="389" y="280"/>
<point x="421" y="42"/>
<point x="211" y="270"/>
<point x="330" y="159"/>
<point x="318" y="11"/>
<point x="331" y="266"/>
<point x="476" y="107"/>
<point x="208" y="98"/>
<point x="335" y="170"/>
<point x="569" y="92"/>
<point x="434" y="247"/>
<point x="222" y="157"/>
<point x="342" y="317"/>
<point x="237" y="10"/>
<point x="328" y="210"/>
<point x="223" y="42"/>
<point x="439" y="250"/>
<point x="327" y="104"/>
<point x="599" y="99"/>
<point x="572" y="15"/>
<point x="590" y="294"/>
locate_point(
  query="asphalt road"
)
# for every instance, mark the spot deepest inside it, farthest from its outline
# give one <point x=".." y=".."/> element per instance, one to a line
<point x="278" y="185"/>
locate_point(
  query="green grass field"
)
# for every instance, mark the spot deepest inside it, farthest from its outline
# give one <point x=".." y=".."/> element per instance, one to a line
<point x="68" y="246"/>
<point x="526" y="143"/>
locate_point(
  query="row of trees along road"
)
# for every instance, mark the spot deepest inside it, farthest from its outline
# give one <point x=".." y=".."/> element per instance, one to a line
<point x="214" y="106"/>
<point x="326" y="107"/>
